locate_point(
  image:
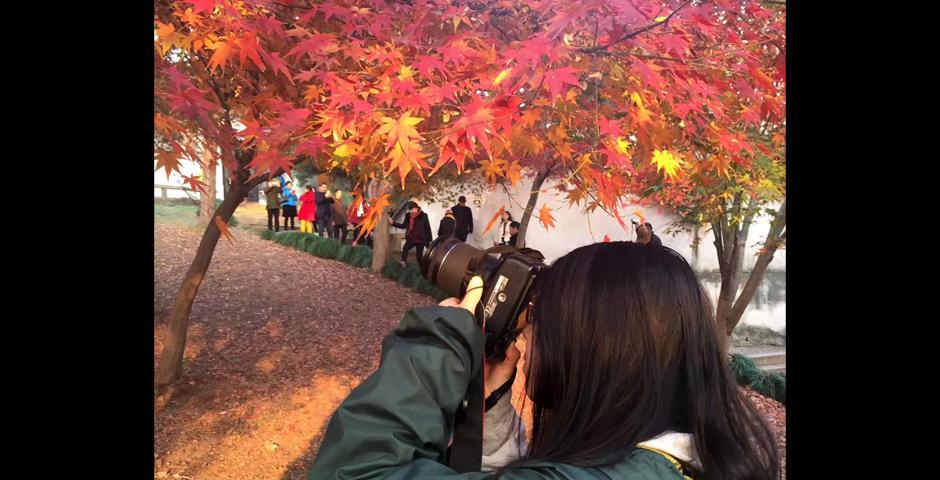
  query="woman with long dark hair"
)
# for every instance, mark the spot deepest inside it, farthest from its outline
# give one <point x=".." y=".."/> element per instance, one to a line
<point x="623" y="365"/>
<point x="501" y="233"/>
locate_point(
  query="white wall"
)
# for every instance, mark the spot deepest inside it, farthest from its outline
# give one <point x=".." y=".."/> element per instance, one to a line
<point x="573" y="228"/>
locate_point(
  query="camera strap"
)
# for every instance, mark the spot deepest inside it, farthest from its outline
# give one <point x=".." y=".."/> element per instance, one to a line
<point x="466" y="452"/>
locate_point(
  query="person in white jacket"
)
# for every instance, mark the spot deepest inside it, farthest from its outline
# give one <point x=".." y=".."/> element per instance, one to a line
<point x="501" y="233"/>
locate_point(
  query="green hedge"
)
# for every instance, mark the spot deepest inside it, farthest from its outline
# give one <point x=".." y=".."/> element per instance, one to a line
<point x="747" y="373"/>
<point x="411" y="277"/>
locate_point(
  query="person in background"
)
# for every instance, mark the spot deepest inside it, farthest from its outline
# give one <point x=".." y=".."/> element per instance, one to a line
<point x="514" y="234"/>
<point x="501" y="233"/>
<point x="272" y="194"/>
<point x="645" y="235"/>
<point x="339" y="217"/>
<point x="447" y="225"/>
<point x="288" y="204"/>
<point x="354" y="218"/>
<point x="308" y="210"/>
<point x="324" y="200"/>
<point x="417" y="232"/>
<point x="464" y="219"/>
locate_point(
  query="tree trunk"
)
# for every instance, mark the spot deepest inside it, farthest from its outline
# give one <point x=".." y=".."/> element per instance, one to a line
<point x="731" y="243"/>
<point x="381" y="245"/>
<point x="774" y="237"/>
<point x="530" y="205"/>
<point x="170" y="364"/>
<point x="171" y="359"/>
<point x="207" y="202"/>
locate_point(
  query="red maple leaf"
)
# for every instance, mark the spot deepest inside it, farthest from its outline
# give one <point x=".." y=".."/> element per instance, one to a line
<point x="609" y="127"/>
<point x="426" y="64"/>
<point x="647" y="74"/>
<point x="606" y="238"/>
<point x="278" y="65"/>
<point x="248" y="48"/>
<point x="317" y="44"/>
<point x="202" y="5"/>
<point x="194" y="183"/>
<point x="311" y="146"/>
<point x="556" y="79"/>
<point x="437" y="94"/>
<point x="271" y="162"/>
<point x="674" y="43"/>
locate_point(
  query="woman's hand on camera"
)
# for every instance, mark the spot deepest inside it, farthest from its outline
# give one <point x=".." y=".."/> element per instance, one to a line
<point x="470" y="299"/>
<point x="495" y="373"/>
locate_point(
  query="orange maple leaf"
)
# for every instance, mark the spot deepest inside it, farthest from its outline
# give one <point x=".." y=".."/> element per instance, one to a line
<point x="493" y="220"/>
<point x="169" y="161"/>
<point x="514" y="172"/>
<point x="223" y="228"/>
<point x="545" y="216"/>
<point x="493" y="169"/>
<point x="372" y="215"/>
<point x="221" y="56"/>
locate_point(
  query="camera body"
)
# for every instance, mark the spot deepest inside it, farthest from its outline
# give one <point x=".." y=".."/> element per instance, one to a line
<point x="509" y="276"/>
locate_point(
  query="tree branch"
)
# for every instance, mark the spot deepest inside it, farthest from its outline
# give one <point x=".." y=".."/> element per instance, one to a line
<point x="636" y="32"/>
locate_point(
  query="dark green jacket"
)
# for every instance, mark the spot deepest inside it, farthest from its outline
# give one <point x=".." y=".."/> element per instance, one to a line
<point x="397" y="423"/>
<point x="273" y="197"/>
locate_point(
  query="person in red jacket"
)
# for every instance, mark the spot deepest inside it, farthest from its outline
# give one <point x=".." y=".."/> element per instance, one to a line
<point x="355" y="218"/>
<point x="308" y="210"/>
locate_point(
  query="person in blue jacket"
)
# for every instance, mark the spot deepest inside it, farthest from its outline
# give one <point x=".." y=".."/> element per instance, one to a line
<point x="289" y="203"/>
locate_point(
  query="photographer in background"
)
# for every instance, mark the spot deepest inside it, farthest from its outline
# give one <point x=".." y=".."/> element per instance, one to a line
<point x="417" y="232"/>
<point x="623" y="366"/>
<point x="645" y="235"/>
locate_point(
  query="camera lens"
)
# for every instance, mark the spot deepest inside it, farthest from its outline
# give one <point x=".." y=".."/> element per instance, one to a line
<point x="449" y="264"/>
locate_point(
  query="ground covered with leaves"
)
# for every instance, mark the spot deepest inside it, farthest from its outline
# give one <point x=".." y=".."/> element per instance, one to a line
<point x="277" y="339"/>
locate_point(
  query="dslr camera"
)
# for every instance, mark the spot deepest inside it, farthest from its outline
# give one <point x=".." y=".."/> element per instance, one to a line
<point x="509" y="275"/>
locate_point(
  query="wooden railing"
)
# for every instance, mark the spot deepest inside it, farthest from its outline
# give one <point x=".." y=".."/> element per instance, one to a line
<point x="164" y="188"/>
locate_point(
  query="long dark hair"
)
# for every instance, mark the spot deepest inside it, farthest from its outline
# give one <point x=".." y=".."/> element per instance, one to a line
<point x="626" y="347"/>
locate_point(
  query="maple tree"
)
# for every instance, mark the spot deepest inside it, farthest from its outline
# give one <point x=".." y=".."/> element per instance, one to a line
<point x="621" y="102"/>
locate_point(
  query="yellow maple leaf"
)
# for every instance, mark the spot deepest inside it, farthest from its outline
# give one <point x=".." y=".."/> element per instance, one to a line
<point x="667" y="162"/>
<point x="401" y="131"/>
<point x="502" y="76"/>
<point x="346" y="150"/>
<point x="493" y="169"/>
<point x="405" y="73"/>
<point x="623" y="145"/>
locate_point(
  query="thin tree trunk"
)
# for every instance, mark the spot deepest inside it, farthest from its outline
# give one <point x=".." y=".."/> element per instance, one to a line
<point x="207" y="202"/>
<point x="170" y="364"/>
<point x="530" y="205"/>
<point x="732" y="245"/>
<point x="382" y="245"/>
<point x="774" y="237"/>
<point x="171" y="359"/>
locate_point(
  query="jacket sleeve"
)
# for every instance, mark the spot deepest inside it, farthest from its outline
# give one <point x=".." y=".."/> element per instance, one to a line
<point x="398" y="422"/>
<point x="470" y="220"/>
<point x="427" y="228"/>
